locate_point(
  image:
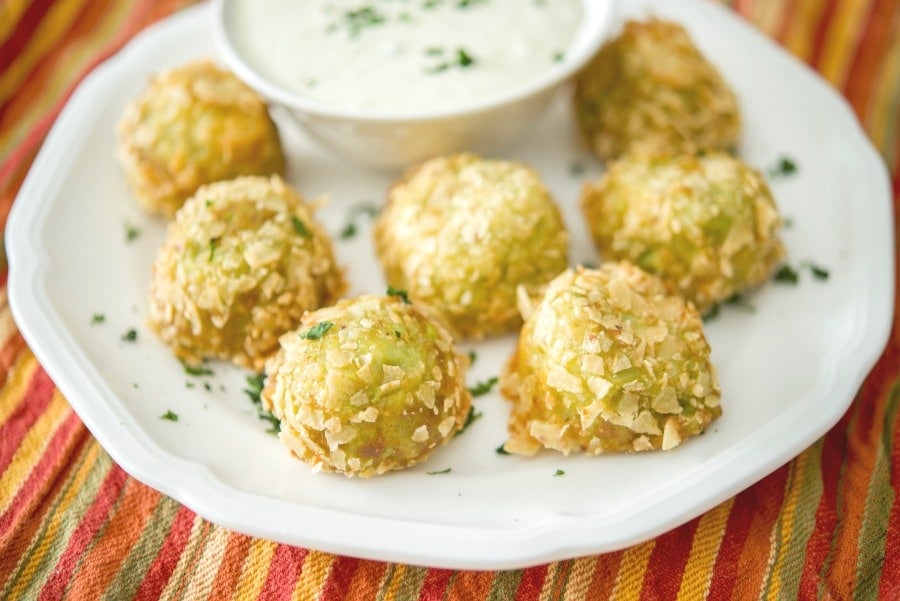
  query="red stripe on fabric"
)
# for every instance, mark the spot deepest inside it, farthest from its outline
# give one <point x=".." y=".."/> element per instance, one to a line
<point x="87" y="529"/>
<point x="531" y="583"/>
<point x="665" y="569"/>
<point x="286" y="565"/>
<point x="338" y="584"/>
<point x="23" y="32"/>
<point x="768" y="494"/>
<point x="834" y="452"/>
<point x="161" y="570"/>
<point x="63" y="446"/>
<point x="31" y="407"/>
<point x="875" y="38"/>
<point x="889" y="587"/>
<point x="818" y="42"/>
<point x="433" y="588"/>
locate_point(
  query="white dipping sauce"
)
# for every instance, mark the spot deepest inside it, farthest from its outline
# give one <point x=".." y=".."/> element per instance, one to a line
<point x="403" y="56"/>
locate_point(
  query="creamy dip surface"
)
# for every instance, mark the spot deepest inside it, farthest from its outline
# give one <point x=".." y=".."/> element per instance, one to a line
<point x="403" y="56"/>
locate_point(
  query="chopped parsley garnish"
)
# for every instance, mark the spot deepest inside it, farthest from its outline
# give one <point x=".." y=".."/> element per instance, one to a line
<point x="588" y="265"/>
<point x="207" y="387"/>
<point x="501" y="451"/>
<point x="254" y="389"/>
<point x="820" y="273"/>
<point x="131" y="232"/>
<point x="576" y="169"/>
<point x="740" y="302"/>
<point x="188" y="384"/>
<point x="391" y="291"/>
<point x="785" y="166"/>
<point x="130" y="335"/>
<point x="300" y="227"/>
<point x="317" y="331"/>
<point x="446" y="471"/>
<point x="462" y="59"/>
<point x="787" y="275"/>
<point x="482" y="388"/>
<point x="712" y="313"/>
<point x="788" y="223"/>
<point x="349" y="231"/>
<point x="559" y="473"/>
<point x="360" y="209"/>
<point x="169" y="415"/>
<point x="468" y="3"/>
<point x="558" y="57"/>
<point x="98" y="318"/>
<point x="472" y="417"/>
<point x="472" y="356"/>
<point x="357" y="20"/>
<point x="434" y="51"/>
<point x="196" y="370"/>
<point x="213" y="244"/>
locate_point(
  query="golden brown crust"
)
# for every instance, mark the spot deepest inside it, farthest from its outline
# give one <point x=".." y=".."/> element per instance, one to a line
<point x="194" y="125"/>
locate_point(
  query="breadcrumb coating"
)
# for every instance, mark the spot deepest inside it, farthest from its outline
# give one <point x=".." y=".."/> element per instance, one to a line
<point x="608" y="361"/>
<point x="243" y="259"/>
<point x="460" y="233"/>
<point x="707" y="225"/>
<point x="194" y="125"/>
<point x="650" y="90"/>
<point x="367" y="386"/>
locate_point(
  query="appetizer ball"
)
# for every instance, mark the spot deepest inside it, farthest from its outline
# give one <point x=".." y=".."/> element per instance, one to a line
<point x="194" y="125"/>
<point x="243" y="259"/>
<point x="367" y="386"/>
<point x="707" y="225"/>
<point x="609" y="361"/>
<point x="650" y="90"/>
<point x="460" y="233"/>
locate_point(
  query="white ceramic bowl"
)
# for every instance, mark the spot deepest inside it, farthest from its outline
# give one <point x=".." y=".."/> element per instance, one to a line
<point x="395" y="140"/>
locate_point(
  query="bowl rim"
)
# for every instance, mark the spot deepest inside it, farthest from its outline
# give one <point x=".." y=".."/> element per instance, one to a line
<point x="597" y="22"/>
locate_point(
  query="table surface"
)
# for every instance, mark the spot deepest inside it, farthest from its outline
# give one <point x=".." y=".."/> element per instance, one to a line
<point x="74" y="525"/>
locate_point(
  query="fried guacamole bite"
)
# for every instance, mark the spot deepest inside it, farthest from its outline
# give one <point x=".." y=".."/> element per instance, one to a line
<point x="367" y="386"/>
<point x="649" y="90"/>
<point x="242" y="260"/>
<point x="461" y="233"/>
<point x="608" y="361"/>
<point x="706" y="224"/>
<point x="193" y="125"/>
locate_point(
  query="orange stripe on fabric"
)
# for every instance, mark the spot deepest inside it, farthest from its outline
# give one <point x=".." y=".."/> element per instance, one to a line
<point x="313" y="568"/>
<point x="470" y="586"/>
<point x="11" y="12"/>
<point x="367" y="581"/>
<point x="87" y="529"/>
<point x="841" y="41"/>
<point x="605" y="569"/>
<point x="890" y="586"/>
<point x="229" y="571"/>
<point x="630" y="578"/>
<point x="665" y="568"/>
<point x="124" y="529"/>
<point x="803" y="21"/>
<point x="744" y="551"/>
<point x="53" y="25"/>
<point x="881" y="18"/>
<point x="704" y="550"/>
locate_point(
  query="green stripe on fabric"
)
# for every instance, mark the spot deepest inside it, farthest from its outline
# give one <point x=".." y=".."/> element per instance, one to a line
<point x="568" y="564"/>
<point x="68" y="518"/>
<point x="386" y="582"/>
<point x="191" y="556"/>
<point x="505" y="585"/>
<point x="809" y="480"/>
<point x="879" y="499"/>
<point x="411" y="584"/>
<point x="127" y="581"/>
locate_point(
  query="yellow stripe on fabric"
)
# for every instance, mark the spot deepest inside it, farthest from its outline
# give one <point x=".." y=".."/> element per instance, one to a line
<point x="316" y="568"/>
<point x="800" y="36"/>
<point x="52" y="27"/>
<point x="14" y="389"/>
<point x="704" y="550"/>
<point x="580" y="578"/>
<point x="884" y="107"/>
<point x="406" y="583"/>
<point x="841" y="41"/>
<point x="49" y="542"/>
<point x="255" y="569"/>
<point x="632" y="569"/>
<point x="203" y="576"/>
<point x="32" y="449"/>
<point x="176" y="587"/>
<point x="550" y="580"/>
<point x="7" y="325"/>
<point x="11" y="12"/>
<point x="71" y="64"/>
<point x="768" y="16"/>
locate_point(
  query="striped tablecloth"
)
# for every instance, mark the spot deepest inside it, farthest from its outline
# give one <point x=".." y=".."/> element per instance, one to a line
<point x="74" y="525"/>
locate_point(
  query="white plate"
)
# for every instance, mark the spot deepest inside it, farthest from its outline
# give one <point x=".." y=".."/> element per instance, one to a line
<point x="788" y="371"/>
